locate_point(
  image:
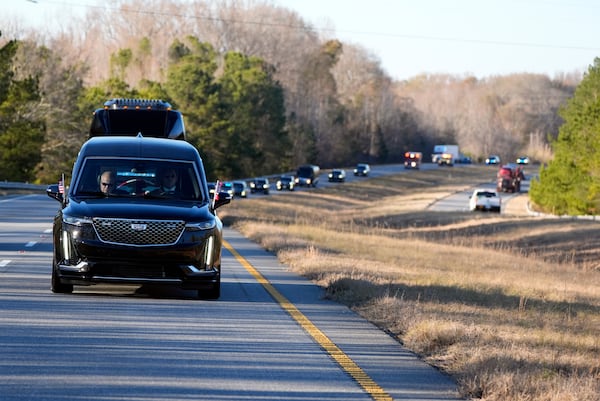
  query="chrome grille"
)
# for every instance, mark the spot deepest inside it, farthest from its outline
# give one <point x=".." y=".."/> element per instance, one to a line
<point x="138" y="232"/>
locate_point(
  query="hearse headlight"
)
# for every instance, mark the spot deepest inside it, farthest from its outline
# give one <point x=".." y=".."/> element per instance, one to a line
<point x="74" y="229"/>
<point x="201" y="226"/>
<point x="76" y="220"/>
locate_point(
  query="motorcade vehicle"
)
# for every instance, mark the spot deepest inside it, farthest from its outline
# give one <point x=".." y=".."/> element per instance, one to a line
<point x="130" y="117"/>
<point x="113" y="226"/>
<point x="492" y="159"/>
<point x="412" y="160"/>
<point x="464" y="159"/>
<point x="227" y="187"/>
<point x="240" y="188"/>
<point x="362" y="169"/>
<point x="523" y="160"/>
<point x="307" y="175"/>
<point x="337" y="175"/>
<point x="287" y="182"/>
<point x="260" y="185"/>
<point x="485" y="200"/>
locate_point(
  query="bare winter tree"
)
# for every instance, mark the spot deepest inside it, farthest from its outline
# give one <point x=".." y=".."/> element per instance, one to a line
<point x="377" y="123"/>
<point x="338" y="108"/>
<point x="530" y="104"/>
<point x="495" y="115"/>
<point x="60" y="85"/>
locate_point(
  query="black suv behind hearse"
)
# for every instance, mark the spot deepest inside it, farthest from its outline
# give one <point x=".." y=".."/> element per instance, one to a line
<point x="119" y="224"/>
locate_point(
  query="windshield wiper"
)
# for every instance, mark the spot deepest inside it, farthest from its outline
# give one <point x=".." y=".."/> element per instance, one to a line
<point x="149" y="195"/>
<point x="100" y="194"/>
<point x="97" y="194"/>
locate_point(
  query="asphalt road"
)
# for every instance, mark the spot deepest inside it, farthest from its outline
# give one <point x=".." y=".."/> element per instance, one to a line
<point x="376" y="171"/>
<point x="459" y="201"/>
<point x="271" y="335"/>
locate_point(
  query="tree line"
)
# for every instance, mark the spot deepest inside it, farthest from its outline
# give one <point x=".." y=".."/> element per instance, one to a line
<point x="570" y="183"/>
<point x="261" y="90"/>
<point x="236" y="118"/>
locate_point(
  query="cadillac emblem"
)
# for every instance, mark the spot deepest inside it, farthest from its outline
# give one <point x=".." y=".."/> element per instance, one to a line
<point x="138" y="226"/>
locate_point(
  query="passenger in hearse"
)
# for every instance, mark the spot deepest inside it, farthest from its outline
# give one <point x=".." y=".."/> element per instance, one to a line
<point x="168" y="183"/>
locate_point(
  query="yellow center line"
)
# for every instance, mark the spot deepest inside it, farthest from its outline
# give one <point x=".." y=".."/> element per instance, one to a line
<point x="347" y="364"/>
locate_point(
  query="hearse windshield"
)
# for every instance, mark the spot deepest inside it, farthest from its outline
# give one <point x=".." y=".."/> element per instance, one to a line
<point x="134" y="177"/>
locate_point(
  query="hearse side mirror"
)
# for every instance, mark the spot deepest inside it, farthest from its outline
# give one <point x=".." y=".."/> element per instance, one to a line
<point x="53" y="192"/>
<point x="58" y="191"/>
<point x="220" y="199"/>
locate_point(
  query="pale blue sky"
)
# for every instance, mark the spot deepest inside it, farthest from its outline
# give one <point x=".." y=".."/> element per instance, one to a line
<point x="478" y="37"/>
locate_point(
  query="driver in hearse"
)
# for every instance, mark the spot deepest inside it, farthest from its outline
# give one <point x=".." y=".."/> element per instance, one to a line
<point x="106" y="182"/>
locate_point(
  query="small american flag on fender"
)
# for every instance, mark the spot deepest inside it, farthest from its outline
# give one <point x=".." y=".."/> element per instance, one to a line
<point x="61" y="185"/>
<point x="218" y="189"/>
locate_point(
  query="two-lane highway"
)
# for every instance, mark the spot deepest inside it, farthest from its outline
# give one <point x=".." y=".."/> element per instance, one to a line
<point x="271" y="335"/>
<point x="459" y="201"/>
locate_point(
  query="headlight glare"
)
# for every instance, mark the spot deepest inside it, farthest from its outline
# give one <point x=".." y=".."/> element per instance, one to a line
<point x="66" y="245"/>
<point x="208" y="251"/>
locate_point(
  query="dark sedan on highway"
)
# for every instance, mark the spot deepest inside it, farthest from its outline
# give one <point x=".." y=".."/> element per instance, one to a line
<point x="286" y="182"/>
<point x="362" y="169"/>
<point x="260" y="185"/>
<point x="337" y="175"/>
<point x="240" y="188"/>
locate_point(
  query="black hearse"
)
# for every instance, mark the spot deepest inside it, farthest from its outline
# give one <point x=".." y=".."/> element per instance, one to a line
<point x="117" y="224"/>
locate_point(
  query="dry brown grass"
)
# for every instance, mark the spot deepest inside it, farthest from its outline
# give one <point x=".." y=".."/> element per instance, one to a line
<point x="508" y="305"/>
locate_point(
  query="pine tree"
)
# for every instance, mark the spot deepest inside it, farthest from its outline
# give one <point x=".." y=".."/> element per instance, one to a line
<point x="570" y="184"/>
<point x="21" y="135"/>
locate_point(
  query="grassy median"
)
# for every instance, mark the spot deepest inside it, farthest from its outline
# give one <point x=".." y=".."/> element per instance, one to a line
<point x="509" y="305"/>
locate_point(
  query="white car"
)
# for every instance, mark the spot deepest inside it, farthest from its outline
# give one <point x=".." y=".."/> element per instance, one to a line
<point x="485" y="200"/>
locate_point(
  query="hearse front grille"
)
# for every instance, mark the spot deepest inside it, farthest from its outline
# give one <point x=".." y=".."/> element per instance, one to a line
<point x="138" y="232"/>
